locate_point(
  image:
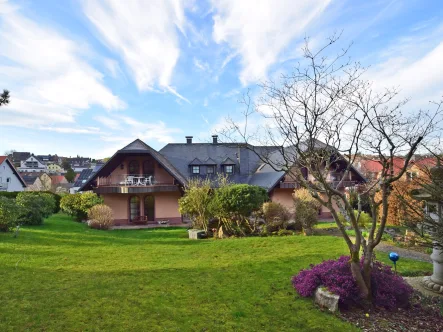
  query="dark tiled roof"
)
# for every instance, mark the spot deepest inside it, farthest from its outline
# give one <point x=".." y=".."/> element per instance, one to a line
<point x="245" y="161"/>
<point x="196" y="161"/>
<point x="29" y="179"/>
<point x="228" y="161"/>
<point x="20" y="156"/>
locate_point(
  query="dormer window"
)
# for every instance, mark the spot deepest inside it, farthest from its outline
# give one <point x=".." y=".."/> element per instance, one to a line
<point x="229" y="169"/>
<point x="210" y="169"/>
<point x="195" y="169"/>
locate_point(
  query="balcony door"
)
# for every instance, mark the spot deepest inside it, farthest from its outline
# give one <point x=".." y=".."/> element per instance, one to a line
<point x="134" y="208"/>
<point x="149" y="208"/>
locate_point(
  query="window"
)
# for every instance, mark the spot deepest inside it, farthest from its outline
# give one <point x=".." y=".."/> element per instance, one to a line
<point x="229" y="169"/>
<point x="133" y="167"/>
<point x="195" y="169"/>
<point x="8" y="180"/>
<point x="210" y="170"/>
<point x="148" y="167"/>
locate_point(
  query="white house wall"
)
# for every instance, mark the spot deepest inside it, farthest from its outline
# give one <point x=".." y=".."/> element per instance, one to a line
<point x="6" y="172"/>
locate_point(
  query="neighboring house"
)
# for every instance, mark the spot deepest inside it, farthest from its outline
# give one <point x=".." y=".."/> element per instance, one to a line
<point x="10" y="179"/>
<point x="18" y="157"/>
<point x="141" y="184"/>
<point x="55" y="168"/>
<point x="32" y="164"/>
<point x="372" y="168"/>
<point x="79" y="163"/>
<point x="42" y="182"/>
<point x="83" y="177"/>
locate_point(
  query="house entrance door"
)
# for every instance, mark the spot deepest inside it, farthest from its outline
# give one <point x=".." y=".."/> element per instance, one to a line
<point x="149" y="208"/>
<point x="134" y="206"/>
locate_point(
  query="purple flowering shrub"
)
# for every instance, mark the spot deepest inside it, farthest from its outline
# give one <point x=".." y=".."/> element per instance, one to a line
<point x="388" y="289"/>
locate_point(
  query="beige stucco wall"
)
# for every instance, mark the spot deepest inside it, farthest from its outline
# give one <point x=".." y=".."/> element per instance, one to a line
<point x="118" y="203"/>
<point x="166" y="205"/>
<point x="284" y="197"/>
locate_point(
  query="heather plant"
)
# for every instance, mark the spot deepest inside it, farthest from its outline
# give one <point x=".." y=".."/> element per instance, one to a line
<point x="388" y="289"/>
<point x="100" y="217"/>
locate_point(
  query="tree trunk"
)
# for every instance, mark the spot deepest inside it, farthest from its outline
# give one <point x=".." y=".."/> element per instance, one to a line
<point x="359" y="276"/>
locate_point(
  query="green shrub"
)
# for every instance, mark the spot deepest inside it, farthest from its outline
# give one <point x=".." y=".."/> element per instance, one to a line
<point x="276" y="216"/>
<point x="8" y="214"/>
<point x="9" y="194"/>
<point x="57" y="198"/>
<point x="100" y="217"/>
<point x="306" y="210"/>
<point x="31" y="208"/>
<point x="77" y="205"/>
<point x="364" y="220"/>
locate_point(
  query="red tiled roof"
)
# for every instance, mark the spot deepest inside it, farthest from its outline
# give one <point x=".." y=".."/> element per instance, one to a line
<point x="56" y="179"/>
<point x="2" y="158"/>
<point x="372" y="166"/>
<point x="426" y="162"/>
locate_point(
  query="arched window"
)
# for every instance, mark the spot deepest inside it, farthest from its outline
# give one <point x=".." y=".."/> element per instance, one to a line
<point x="134" y="167"/>
<point x="148" y="167"/>
<point x="134" y="206"/>
<point x="149" y="208"/>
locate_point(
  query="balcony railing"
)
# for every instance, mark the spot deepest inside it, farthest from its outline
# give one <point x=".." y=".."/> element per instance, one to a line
<point x="3" y="186"/>
<point x="130" y="180"/>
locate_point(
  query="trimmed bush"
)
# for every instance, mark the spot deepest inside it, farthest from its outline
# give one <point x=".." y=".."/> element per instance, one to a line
<point x="77" y="205"/>
<point x="9" y="194"/>
<point x="276" y="216"/>
<point x="306" y="210"/>
<point x="100" y="217"/>
<point x="32" y="208"/>
<point x="8" y="214"/>
<point x="388" y="289"/>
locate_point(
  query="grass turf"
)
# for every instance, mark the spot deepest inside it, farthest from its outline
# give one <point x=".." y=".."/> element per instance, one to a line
<point x="63" y="276"/>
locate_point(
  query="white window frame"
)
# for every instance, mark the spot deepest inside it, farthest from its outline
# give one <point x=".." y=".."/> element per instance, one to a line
<point x="195" y="168"/>
<point x="231" y="167"/>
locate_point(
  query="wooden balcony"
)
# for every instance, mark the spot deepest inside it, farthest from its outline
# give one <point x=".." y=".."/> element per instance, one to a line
<point x="132" y="184"/>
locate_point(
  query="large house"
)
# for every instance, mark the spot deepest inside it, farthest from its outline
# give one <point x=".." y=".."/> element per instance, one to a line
<point x="10" y="179"/>
<point x="32" y="164"/>
<point x="141" y="184"/>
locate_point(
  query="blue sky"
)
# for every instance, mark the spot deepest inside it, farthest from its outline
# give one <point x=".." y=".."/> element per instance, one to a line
<point x="88" y="77"/>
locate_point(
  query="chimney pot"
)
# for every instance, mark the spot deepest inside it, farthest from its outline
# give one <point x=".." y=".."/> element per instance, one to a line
<point x="188" y="139"/>
<point x="214" y="139"/>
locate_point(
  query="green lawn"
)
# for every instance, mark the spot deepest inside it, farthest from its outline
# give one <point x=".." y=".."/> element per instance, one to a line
<point x="63" y="276"/>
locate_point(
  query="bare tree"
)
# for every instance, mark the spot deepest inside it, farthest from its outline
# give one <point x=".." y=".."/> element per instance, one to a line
<point x="4" y="98"/>
<point x="318" y="119"/>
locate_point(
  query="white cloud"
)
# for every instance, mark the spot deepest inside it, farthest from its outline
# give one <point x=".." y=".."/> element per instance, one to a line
<point x="108" y="122"/>
<point x="419" y="78"/>
<point x="203" y="66"/>
<point x="136" y="128"/>
<point x="260" y="30"/>
<point x="49" y="79"/>
<point x="69" y="130"/>
<point x="144" y="33"/>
